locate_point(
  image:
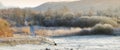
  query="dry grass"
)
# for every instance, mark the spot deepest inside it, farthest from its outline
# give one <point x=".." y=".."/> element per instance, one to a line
<point x="42" y="32"/>
<point x="26" y="30"/>
<point x="48" y="31"/>
<point x="5" y="30"/>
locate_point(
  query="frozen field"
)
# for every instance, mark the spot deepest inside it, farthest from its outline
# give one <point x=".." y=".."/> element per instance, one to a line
<point x="91" y="42"/>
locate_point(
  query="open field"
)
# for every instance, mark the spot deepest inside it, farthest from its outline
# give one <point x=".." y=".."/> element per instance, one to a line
<point x="93" y="42"/>
<point x="47" y="31"/>
<point x="57" y="31"/>
<point x="86" y="42"/>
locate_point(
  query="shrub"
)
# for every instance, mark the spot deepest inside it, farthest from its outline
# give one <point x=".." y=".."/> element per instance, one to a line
<point x="5" y="30"/>
<point x="86" y="21"/>
<point x="102" y="29"/>
<point x="85" y="32"/>
<point x="60" y="17"/>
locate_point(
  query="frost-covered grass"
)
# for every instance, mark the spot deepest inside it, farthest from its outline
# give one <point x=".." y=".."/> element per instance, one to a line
<point x="93" y="42"/>
<point x="87" y="42"/>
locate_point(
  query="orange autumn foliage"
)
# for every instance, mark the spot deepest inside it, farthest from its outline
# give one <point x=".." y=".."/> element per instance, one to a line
<point x="5" y="30"/>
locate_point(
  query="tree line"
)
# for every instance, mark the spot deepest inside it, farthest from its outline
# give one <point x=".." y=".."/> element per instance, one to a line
<point x="61" y="17"/>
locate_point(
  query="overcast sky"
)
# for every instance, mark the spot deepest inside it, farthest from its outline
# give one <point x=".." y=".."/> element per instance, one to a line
<point x="27" y="3"/>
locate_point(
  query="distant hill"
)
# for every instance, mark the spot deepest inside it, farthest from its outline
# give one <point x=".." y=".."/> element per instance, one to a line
<point x="80" y="5"/>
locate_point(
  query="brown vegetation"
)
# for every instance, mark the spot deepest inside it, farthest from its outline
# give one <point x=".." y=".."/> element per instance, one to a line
<point x="26" y="31"/>
<point x="61" y="17"/>
<point x="102" y="29"/>
<point x="5" y="30"/>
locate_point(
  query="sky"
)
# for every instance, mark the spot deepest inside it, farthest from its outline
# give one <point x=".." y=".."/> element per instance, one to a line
<point x="27" y="3"/>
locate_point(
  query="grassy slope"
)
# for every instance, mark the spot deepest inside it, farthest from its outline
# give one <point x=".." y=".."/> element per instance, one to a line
<point x="83" y="4"/>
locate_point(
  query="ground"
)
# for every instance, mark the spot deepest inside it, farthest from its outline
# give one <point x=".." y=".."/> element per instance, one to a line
<point x="92" y="42"/>
<point x="86" y="42"/>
